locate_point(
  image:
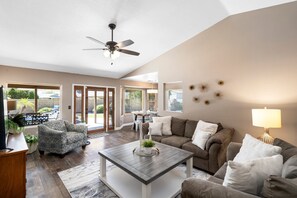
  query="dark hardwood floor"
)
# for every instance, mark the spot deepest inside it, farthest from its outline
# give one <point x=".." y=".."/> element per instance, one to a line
<point x="42" y="177"/>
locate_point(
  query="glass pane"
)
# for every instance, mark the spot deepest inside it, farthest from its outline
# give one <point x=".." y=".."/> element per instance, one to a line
<point x="110" y="109"/>
<point x="21" y="100"/>
<point x="100" y="110"/>
<point x="48" y="101"/>
<point x="90" y="108"/>
<point x="133" y="100"/>
<point x="78" y="106"/>
<point x="173" y="97"/>
<point x="152" y="102"/>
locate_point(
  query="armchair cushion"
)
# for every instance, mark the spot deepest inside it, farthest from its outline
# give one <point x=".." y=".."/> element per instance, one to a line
<point x="290" y="168"/>
<point x="58" y="125"/>
<point x="75" y="127"/>
<point x="74" y="137"/>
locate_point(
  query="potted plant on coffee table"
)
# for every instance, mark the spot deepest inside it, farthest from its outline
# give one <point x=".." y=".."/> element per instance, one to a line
<point x="32" y="142"/>
<point x="147" y="146"/>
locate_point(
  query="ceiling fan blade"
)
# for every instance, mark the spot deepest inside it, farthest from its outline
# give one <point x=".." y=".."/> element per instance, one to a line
<point x="96" y="49"/>
<point x="129" y="52"/>
<point x="97" y="41"/>
<point x="124" y="43"/>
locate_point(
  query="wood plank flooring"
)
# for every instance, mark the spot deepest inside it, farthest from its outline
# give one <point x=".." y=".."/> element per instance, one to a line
<point x="42" y="178"/>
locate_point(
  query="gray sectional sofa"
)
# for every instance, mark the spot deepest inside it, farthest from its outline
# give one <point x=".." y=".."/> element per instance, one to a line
<point x="210" y="159"/>
<point x="274" y="186"/>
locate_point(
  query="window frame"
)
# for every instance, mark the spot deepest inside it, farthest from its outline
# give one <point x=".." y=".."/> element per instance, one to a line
<point x="179" y="86"/>
<point x="35" y="87"/>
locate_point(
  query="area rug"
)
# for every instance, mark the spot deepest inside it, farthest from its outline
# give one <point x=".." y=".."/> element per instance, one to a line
<point x="96" y="135"/>
<point x="83" y="180"/>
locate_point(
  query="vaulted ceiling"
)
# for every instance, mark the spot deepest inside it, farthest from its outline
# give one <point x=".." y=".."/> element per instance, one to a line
<point x="51" y="34"/>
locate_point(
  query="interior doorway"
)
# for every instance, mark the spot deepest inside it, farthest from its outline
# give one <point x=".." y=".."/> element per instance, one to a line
<point x="94" y="106"/>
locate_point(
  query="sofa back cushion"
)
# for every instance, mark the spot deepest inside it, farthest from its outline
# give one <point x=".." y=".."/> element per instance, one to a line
<point x="57" y="125"/>
<point x="178" y="126"/>
<point x="288" y="150"/>
<point x="191" y="126"/>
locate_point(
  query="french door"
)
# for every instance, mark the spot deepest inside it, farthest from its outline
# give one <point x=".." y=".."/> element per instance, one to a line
<point x="95" y="107"/>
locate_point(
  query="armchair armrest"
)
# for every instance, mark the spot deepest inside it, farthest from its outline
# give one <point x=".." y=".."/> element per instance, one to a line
<point x="76" y="128"/>
<point x="50" y="135"/>
<point x="197" y="188"/>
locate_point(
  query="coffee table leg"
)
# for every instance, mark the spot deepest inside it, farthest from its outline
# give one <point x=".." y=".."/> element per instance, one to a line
<point x="189" y="167"/>
<point x="146" y="191"/>
<point x="102" y="166"/>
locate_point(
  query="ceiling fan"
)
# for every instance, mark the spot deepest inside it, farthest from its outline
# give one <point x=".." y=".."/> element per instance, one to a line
<point x="112" y="48"/>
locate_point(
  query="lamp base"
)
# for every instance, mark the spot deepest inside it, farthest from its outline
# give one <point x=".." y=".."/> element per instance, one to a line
<point x="266" y="138"/>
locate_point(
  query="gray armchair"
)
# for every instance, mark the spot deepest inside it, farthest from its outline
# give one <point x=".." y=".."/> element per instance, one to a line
<point x="60" y="137"/>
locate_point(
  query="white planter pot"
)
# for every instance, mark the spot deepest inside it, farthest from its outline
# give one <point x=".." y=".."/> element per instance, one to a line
<point x="147" y="150"/>
<point x="32" y="147"/>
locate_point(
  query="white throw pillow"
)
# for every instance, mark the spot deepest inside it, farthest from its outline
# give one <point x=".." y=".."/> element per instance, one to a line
<point x="206" y="127"/>
<point x="155" y="128"/>
<point x="249" y="176"/>
<point x="201" y="138"/>
<point x="166" y="120"/>
<point x="253" y="148"/>
<point x="238" y="176"/>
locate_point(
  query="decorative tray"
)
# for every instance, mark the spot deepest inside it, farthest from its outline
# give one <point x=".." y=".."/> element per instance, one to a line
<point x="141" y="152"/>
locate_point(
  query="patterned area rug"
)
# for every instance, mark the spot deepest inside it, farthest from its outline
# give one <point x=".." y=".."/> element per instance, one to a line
<point x="83" y="180"/>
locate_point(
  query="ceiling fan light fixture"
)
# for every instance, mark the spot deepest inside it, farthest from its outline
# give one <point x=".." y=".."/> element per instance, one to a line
<point x="111" y="54"/>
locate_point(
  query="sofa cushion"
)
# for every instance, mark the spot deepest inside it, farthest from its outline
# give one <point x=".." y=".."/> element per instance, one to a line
<point x="190" y="128"/>
<point x="166" y="127"/>
<point x="276" y="186"/>
<point x="175" y="141"/>
<point x="74" y="137"/>
<point x="198" y="152"/>
<point x="290" y="168"/>
<point x="157" y="138"/>
<point x="155" y="128"/>
<point x="178" y="126"/>
<point x="205" y="127"/>
<point x="288" y="150"/>
<point x="57" y="125"/>
<point x="253" y="148"/>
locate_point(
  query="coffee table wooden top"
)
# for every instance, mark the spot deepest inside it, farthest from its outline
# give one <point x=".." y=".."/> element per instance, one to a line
<point x="146" y="169"/>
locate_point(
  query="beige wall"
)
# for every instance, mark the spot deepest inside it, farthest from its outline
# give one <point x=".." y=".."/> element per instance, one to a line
<point x="255" y="53"/>
<point x="66" y="81"/>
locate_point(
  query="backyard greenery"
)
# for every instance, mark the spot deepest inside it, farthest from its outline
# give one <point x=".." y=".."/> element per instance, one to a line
<point x="45" y="110"/>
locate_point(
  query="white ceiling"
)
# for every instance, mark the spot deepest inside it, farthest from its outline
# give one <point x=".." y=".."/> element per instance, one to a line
<point x="50" y="34"/>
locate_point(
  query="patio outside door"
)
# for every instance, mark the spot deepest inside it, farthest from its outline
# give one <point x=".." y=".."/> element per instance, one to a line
<point x="96" y="109"/>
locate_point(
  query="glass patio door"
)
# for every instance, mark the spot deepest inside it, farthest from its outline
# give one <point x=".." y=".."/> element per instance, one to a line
<point x="95" y="108"/>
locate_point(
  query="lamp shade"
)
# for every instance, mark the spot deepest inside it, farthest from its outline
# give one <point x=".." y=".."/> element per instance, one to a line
<point x="267" y="118"/>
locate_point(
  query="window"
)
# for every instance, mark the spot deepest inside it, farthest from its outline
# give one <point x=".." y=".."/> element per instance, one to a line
<point x="152" y="103"/>
<point x="173" y="97"/>
<point x="133" y="100"/>
<point x="28" y="99"/>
